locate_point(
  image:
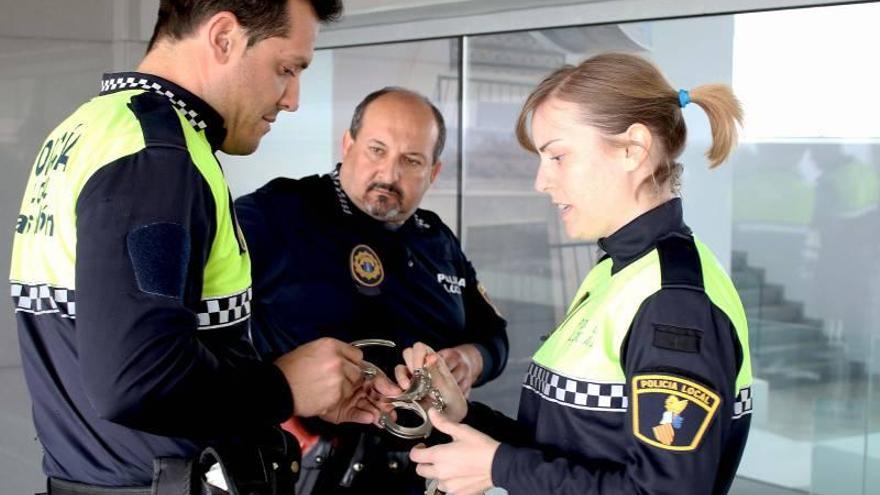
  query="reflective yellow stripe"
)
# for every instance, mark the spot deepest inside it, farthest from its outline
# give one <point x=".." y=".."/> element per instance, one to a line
<point x="723" y="294"/>
<point x="44" y="246"/>
<point x="228" y="270"/>
<point x="586" y="345"/>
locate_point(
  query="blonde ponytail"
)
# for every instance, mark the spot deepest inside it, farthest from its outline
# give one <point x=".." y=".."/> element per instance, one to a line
<point x="725" y="116"/>
<point x="616" y="90"/>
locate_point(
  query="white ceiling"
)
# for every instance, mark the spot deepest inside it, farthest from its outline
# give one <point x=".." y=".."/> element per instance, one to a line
<point x="132" y="20"/>
<point x="373" y="12"/>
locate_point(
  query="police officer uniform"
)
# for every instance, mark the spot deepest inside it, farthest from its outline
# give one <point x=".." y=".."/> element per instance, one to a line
<point x="645" y="385"/>
<point x="322" y="267"/>
<point x="131" y="285"/>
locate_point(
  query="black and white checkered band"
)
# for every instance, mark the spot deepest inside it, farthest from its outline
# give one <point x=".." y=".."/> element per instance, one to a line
<point x="574" y="393"/>
<point x="340" y="194"/>
<point x="129" y="82"/>
<point x="345" y="204"/>
<point x="225" y="311"/>
<point x="420" y="223"/>
<point x="43" y="299"/>
<point x="743" y="404"/>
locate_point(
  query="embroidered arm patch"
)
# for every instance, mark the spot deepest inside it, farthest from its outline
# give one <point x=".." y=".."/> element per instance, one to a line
<point x="671" y="412"/>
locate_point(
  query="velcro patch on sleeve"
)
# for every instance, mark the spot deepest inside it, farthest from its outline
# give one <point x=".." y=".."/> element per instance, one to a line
<point x="159" y="255"/>
<point x="675" y="338"/>
<point x="671" y="412"/>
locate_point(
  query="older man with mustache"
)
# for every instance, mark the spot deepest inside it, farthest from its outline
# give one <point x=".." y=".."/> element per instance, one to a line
<point x="350" y="255"/>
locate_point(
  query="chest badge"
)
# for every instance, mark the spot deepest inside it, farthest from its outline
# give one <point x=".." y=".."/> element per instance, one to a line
<point x="366" y="269"/>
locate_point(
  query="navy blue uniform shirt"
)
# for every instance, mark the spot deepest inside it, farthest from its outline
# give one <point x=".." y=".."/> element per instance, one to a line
<point x="554" y="447"/>
<point x="120" y="374"/>
<point x="323" y="268"/>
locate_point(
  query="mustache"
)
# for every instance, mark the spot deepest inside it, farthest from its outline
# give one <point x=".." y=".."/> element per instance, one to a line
<point x="386" y="187"/>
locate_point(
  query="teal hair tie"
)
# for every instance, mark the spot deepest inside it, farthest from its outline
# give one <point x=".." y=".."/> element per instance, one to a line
<point x="683" y="98"/>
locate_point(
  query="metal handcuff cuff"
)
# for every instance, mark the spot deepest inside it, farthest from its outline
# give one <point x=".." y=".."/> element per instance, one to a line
<point x="409" y="399"/>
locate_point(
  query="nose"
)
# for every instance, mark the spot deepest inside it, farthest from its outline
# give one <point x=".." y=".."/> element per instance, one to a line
<point x="388" y="168"/>
<point x="289" y="101"/>
<point x="542" y="178"/>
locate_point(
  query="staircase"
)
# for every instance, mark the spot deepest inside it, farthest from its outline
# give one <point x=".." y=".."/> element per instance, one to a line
<point x="787" y="348"/>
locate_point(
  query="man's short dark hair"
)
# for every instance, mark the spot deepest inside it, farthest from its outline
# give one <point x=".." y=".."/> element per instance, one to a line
<point x="261" y="18"/>
<point x="359" y="111"/>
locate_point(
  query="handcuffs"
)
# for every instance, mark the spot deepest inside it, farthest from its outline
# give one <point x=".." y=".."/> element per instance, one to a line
<point x="419" y="388"/>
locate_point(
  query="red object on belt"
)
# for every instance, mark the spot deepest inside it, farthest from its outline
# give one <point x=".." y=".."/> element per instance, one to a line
<point x="306" y="439"/>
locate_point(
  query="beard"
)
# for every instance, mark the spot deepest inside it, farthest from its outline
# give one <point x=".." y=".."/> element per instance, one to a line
<point x="385" y="207"/>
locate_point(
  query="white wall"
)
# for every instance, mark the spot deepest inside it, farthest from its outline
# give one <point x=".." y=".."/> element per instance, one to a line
<point x="300" y="143"/>
<point x="51" y="59"/>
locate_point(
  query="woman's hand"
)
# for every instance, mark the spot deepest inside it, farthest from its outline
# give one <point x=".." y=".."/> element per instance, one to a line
<point x="422" y="356"/>
<point x="463" y="466"/>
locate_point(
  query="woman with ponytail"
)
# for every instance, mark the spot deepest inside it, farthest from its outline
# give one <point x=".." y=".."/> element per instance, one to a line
<point x="645" y="385"/>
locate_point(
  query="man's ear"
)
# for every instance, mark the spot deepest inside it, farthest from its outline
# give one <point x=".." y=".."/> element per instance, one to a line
<point x="638" y="141"/>
<point x="436" y="171"/>
<point x="347" y="141"/>
<point x="224" y="35"/>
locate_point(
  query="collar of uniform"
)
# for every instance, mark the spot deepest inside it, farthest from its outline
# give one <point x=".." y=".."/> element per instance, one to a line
<point x="349" y="209"/>
<point x="200" y="115"/>
<point x="639" y="236"/>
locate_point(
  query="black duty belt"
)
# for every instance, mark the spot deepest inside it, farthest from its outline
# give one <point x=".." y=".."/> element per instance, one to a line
<point x="62" y="487"/>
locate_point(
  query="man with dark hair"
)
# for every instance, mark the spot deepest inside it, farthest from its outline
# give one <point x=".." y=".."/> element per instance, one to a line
<point x="178" y="19"/>
<point x="131" y="280"/>
<point x="350" y="255"/>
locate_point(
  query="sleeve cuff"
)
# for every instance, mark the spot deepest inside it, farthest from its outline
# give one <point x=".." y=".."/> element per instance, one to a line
<point x="501" y="464"/>
<point x="278" y="397"/>
<point x="488" y="365"/>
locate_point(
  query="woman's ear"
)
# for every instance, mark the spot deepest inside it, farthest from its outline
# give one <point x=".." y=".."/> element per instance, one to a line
<point x="638" y="141"/>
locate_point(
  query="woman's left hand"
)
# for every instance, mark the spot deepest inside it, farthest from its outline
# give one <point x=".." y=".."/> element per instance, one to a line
<point x="463" y="466"/>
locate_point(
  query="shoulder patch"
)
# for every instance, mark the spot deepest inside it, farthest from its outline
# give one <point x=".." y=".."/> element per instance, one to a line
<point x="159" y="121"/>
<point x="671" y="412"/>
<point x="680" y="266"/>
<point x="483" y="292"/>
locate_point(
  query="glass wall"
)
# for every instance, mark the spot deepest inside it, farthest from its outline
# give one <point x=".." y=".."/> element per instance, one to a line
<point x="793" y="216"/>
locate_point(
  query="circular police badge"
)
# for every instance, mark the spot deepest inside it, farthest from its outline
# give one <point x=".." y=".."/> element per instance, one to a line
<point x="366" y="269"/>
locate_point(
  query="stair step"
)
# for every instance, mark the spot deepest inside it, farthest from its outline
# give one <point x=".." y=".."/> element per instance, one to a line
<point x="766" y="332"/>
<point x="738" y="260"/>
<point x="747" y="278"/>
<point x="781" y="375"/>
<point x="786" y="312"/>
<point x="797" y="353"/>
<point x="761" y="295"/>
